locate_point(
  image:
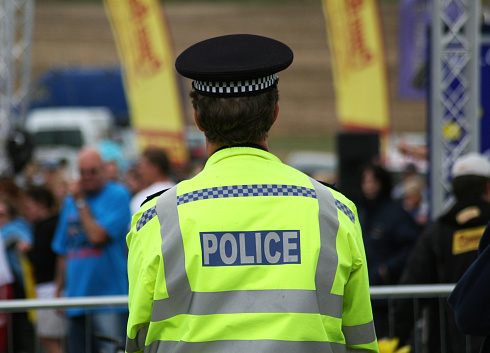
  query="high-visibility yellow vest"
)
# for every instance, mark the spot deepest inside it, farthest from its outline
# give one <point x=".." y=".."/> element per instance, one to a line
<point x="250" y="255"/>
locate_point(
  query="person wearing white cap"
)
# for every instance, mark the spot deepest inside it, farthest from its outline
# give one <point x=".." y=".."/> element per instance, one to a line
<point x="470" y="298"/>
<point x="447" y="247"/>
<point x="472" y="163"/>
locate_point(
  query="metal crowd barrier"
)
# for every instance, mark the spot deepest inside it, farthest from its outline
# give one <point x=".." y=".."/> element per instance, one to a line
<point x="377" y="292"/>
<point x="411" y="291"/>
<point x="391" y="293"/>
<point x="18" y="305"/>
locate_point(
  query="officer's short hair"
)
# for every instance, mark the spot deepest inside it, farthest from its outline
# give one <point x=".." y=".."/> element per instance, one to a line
<point x="467" y="187"/>
<point x="234" y="87"/>
<point x="237" y="120"/>
<point x="158" y="157"/>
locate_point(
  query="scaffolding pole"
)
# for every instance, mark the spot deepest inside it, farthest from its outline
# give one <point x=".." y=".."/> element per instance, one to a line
<point x="454" y="91"/>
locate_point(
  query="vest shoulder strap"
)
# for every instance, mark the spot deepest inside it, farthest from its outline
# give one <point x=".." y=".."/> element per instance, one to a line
<point x="152" y="196"/>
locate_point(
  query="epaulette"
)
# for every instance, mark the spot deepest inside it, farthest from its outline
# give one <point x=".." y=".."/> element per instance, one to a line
<point x="152" y="196"/>
<point x="331" y="186"/>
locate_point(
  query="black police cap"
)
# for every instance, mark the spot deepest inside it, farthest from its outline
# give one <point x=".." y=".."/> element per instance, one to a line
<point x="234" y="65"/>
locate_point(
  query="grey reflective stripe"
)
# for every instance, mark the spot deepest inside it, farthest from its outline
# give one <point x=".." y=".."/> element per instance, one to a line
<point x="173" y="254"/>
<point x="242" y="301"/>
<point x="328" y="262"/>
<point x="239" y="346"/>
<point x="330" y="304"/>
<point x="137" y="343"/>
<point x="178" y="286"/>
<point x="359" y="334"/>
<point x="235" y="302"/>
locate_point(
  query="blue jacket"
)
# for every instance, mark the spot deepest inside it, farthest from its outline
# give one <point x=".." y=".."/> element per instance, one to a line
<point x="389" y="234"/>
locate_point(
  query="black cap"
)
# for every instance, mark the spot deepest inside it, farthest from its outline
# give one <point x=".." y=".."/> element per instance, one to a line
<point x="234" y="65"/>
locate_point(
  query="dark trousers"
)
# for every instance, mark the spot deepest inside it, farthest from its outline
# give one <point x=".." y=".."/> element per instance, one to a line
<point x="97" y="332"/>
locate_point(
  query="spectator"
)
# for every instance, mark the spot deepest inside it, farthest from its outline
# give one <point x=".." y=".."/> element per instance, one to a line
<point x="446" y="249"/>
<point x="112" y="155"/>
<point x="409" y="171"/>
<point x="17" y="238"/>
<point x="132" y="180"/>
<point x="90" y="242"/>
<point x="154" y="171"/>
<point x="55" y="180"/>
<point x="389" y="234"/>
<point x="414" y="200"/>
<point x="6" y="279"/>
<point x="9" y="190"/>
<point x="470" y="298"/>
<point x="40" y="209"/>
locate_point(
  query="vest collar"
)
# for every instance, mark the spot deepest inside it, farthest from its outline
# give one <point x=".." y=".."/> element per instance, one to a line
<point x="252" y="145"/>
<point x="241" y="150"/>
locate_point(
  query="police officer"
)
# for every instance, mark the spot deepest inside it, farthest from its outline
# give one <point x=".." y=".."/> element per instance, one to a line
<point x="250" y="254"/>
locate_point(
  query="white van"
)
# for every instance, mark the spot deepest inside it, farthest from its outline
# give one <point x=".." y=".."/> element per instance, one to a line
<point x="59" y="133"/>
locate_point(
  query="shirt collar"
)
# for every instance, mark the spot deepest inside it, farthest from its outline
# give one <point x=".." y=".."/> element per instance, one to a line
<point x="252" y="145"/>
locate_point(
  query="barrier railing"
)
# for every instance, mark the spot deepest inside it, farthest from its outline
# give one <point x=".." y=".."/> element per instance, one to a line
<point x="377" y="292"/>
<point x="391" y="293"/>
<point x="17" y="305"/>
<point x="411" y="291"/>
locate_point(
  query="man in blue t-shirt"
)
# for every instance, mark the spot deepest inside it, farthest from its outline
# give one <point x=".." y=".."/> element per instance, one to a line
<point x="90" y="240"/>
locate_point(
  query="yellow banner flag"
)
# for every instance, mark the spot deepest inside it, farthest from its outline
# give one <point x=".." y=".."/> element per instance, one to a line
<point x="360" y="74"/>
<point x="151" y="88"/>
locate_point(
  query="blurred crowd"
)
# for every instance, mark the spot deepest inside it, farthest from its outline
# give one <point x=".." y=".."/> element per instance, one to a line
<point x="405" y="246"/>
<point x="57" y="231"/>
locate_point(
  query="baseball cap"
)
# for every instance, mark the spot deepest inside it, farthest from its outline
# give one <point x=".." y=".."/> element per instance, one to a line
<point x="472" y="163"/>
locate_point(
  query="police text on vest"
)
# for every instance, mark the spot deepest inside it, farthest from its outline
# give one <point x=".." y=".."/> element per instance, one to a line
<point x="271" y="247"/>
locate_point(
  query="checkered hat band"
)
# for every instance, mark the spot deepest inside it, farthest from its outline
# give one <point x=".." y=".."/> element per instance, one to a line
<point x="245" y="191"/>
<point x="236" y="87"/>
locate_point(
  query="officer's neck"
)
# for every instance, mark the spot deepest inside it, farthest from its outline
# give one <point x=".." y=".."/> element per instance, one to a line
<point x="211" y="148"/>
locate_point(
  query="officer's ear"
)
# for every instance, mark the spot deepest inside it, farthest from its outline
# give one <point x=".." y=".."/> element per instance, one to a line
<point x="276" y="113"/>
<point x="197" y="121"/>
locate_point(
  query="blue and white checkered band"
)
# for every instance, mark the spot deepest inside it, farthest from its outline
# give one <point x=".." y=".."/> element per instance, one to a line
<point x="146" y="217"/>
<point x="245" y="191"/>
<point x="346" y="210"/>
<point x="236" y="87"/>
